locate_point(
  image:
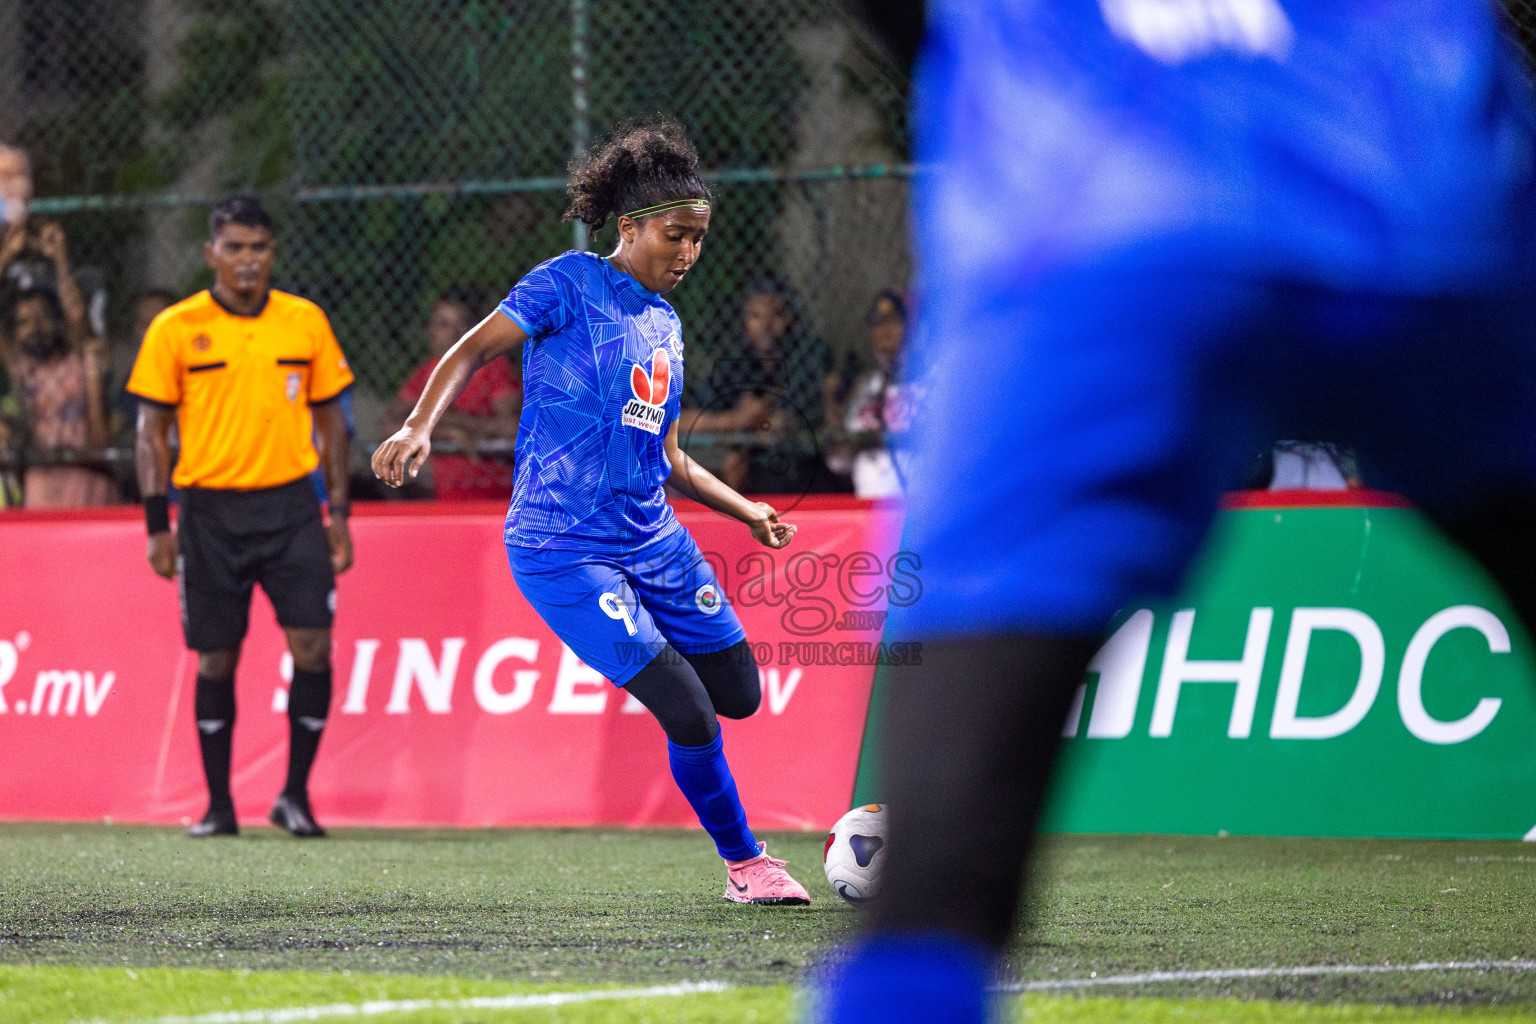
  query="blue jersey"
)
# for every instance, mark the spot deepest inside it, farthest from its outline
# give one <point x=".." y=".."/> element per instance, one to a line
<point x="602" y="383"/>
<point x="1356" y="143"/>
<point x="1158" y="235"/>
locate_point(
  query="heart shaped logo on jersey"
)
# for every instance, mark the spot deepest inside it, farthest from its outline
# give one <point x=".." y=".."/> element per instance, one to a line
<point x="647" y="410"/>
<point x="652" y="388"/>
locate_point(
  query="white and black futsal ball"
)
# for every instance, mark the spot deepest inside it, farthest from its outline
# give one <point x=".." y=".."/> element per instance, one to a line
<point x="854" y="852"/>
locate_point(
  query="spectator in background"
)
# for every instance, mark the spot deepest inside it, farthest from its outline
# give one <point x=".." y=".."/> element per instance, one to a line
<point x="11" y="433"/>
<point x="30" y="249"/>
<point x="149" y="304"/>
<point x="59" y="373"/>
<point x="33" y="253"/>
<point x="57" y="366"/>
<point x="486" y="410"/>
<point x="769" y="380"/>
<point x="15" y="194"/>
<point x="15" y="185"/>
<point x="877" y="406"/>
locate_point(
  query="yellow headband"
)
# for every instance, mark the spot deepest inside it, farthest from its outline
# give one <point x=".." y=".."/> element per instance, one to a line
<point x="671" y="205"/>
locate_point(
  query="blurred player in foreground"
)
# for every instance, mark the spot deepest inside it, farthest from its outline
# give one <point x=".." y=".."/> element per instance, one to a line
<point x="252" y="378"/>
<point x="594" y="546"/>
<point x="1159" y="234"/>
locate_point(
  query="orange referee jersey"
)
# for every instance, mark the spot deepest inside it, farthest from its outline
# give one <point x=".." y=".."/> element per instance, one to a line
<point x="242" y="387"/>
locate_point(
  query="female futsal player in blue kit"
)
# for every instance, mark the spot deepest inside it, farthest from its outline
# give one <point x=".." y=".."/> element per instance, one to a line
<point x="594" y="546"/>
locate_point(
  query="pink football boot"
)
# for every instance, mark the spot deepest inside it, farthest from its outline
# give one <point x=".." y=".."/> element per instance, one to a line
<point x="763" y="880"/>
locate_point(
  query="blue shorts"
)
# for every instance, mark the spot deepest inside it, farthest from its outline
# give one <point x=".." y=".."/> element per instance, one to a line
<point x="618" y="612"/>
<point x="1138" y="274"/>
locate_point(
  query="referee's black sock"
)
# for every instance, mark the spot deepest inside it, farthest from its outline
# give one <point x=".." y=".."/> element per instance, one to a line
<point x="309" y="703"/>
<point x="215" y="707"/>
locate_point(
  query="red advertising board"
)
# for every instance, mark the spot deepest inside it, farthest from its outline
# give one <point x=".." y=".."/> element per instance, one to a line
<point x="454" y="704"/>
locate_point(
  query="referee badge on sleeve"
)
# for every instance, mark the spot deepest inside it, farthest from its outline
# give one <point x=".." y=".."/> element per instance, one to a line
<point x="295" y="380"/>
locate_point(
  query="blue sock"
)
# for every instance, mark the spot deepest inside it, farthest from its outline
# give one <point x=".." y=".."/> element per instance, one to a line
<point x="705" y="779"/>
<point x="925" y="977"/>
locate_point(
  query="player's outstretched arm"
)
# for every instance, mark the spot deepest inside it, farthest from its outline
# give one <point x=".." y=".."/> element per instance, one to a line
<point x="404" y="453"/>
<point x="704" y="487"/>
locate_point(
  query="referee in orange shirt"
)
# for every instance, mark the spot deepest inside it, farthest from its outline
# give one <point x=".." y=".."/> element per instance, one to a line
<point x="251" y="377"/>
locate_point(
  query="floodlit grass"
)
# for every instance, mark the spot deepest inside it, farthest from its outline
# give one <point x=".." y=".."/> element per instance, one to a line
<point x="595" y="907"/>
<point x="266" y="921"/>
<point x="1128" y="904"/>
<point x="61" y="995"/>
<point x="1059" y="1010"/>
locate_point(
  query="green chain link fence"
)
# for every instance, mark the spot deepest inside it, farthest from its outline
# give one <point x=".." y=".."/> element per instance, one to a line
<point x="406" y="146"/>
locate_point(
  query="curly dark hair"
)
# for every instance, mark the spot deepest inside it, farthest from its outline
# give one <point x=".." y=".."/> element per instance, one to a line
<point x="642" y="163"/>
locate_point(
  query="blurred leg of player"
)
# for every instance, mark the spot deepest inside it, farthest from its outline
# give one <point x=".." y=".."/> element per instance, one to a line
<point x="1150" y="245"/>
<point x="971" y="734"/>
<point x="1060" y="525"/>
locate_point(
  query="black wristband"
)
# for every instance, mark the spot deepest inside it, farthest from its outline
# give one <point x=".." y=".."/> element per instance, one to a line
<point x="340" y="508"/>
<point x="157" y="514"/>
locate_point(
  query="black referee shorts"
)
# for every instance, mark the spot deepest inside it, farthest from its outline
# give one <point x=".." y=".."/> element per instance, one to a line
<point x="229" y="541"/>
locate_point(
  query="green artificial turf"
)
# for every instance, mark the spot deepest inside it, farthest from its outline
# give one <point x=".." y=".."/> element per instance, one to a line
<point x="1058" y="1010"/>
<point x="1127" y="904"/>
<point x="575" y="909"/>
<point x="59" y="995"/>
<point x="63" y="995"/>
<point x="526" y="905"/>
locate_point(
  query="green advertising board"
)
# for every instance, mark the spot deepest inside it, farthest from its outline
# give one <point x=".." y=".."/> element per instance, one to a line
<point x="1331" y="671"/>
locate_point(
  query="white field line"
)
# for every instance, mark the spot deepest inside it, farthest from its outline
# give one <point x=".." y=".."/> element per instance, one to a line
<point x="374" y="1008"/>
<point x="1237" y="973"/>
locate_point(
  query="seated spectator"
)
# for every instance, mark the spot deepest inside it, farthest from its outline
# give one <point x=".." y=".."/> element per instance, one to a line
<point x="767" y="380"/>
<point x="59" y="373"/>
<point x="878" y="405"/>
<point x="487" y="409"/>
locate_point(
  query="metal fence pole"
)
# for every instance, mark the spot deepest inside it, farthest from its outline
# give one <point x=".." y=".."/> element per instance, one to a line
<point x="581" y="124"/>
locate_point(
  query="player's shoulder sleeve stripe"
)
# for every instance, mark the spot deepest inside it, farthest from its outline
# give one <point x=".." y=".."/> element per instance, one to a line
<point x="541" y="300"/>
<point x="506" y="310"/>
